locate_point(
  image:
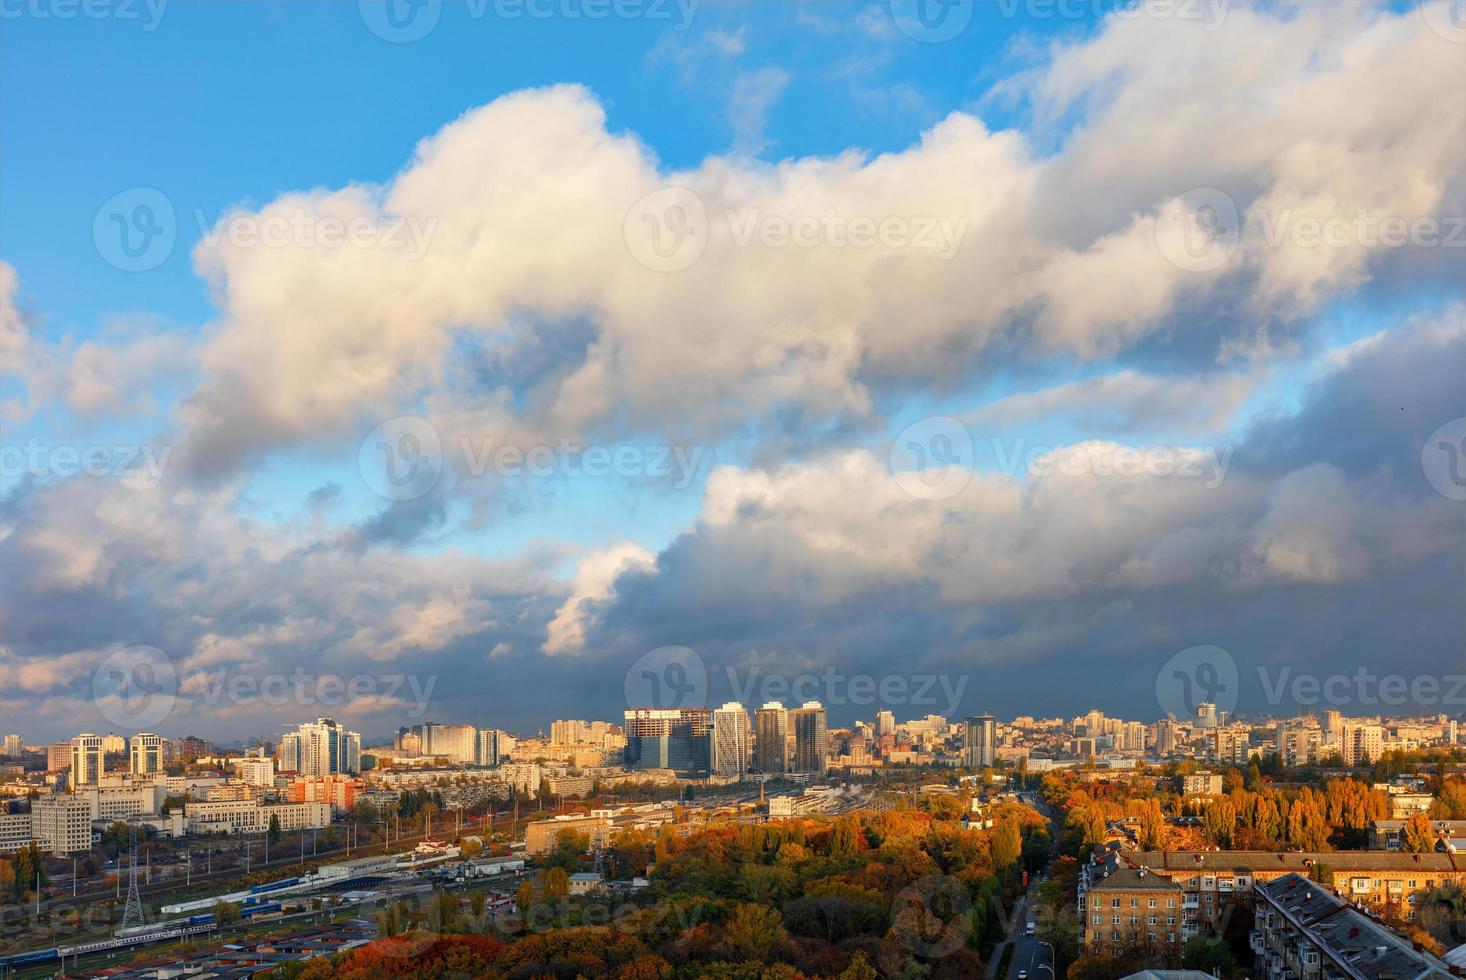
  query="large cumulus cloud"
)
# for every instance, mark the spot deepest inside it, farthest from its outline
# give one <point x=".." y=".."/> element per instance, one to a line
<point x="522" y="206"/>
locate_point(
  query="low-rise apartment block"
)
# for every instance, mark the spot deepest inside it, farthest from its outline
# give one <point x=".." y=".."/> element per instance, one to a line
<point x="1376" y="880"/>
<point x="1201" y="784"/>
<point x="252" y="817"/>
<point x="541" y="836"/>
<point x="1389" y="835"/>
<point x="1302" y="931"/>
<point x="1131" y="908"/>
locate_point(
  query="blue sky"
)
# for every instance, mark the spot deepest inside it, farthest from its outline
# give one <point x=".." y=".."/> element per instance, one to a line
<point x="1058" y="134"/>
<point x="307" y="96"/>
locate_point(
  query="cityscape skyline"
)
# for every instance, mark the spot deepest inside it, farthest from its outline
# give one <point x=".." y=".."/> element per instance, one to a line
<point x="783" y="489"/>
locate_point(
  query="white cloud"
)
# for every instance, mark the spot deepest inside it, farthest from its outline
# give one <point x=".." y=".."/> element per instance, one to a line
<point x="527" y="198"/>
<point x="595" y="575"/>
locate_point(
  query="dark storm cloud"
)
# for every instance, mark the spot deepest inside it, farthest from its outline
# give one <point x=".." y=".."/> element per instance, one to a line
<point x="1324" y="548"/>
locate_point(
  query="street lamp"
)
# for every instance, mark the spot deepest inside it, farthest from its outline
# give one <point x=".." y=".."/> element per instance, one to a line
<point x="1052" y="956"/>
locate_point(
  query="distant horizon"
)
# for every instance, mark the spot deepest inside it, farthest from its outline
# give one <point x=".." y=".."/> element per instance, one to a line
<point x="369" y="741"/>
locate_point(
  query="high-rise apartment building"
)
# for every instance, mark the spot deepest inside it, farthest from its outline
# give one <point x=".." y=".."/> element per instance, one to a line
<point x="771" y="738"/>
<point x="730" y="741"/>
<point x="885" y="723"/>
<point x="487" y="750"/>
<point x="321" y="748"/>
<point x="1133" y="736"/>
<point x="811" y="738"/>
<point x="668" y="738"/>
<point x="86" y="760"/>
<point x="1166" y="736"/>
<point x="256" y="770"/>
<point x="569" y="732"/>
<point x="456" y="743"/>
<point x="13" y="745"/>
<point x="1361" y="745"/>
<point x="146" y="753"/>
<point x="980" y="741"/>
<point x="58" y="756"/>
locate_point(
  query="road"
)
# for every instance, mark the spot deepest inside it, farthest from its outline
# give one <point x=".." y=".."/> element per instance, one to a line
<point x="1031" y="958"/>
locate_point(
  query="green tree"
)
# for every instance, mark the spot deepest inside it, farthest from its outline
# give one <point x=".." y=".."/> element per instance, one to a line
<point x="1007" y="844"/>
<point x="1208" y="954"/>
<point x="274" y="828"/>
<point x="569" y="848"/>
<point x="1152" y="826"/>
<point x="447" y="912"/>
<point x="752" y="931"/>
<point x="226" y="913"/>
<point x="524" y="897"/>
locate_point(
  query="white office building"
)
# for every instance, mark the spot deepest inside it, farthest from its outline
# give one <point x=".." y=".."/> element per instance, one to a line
<point x="86" y="760"/>
<point x="731" y="740"/>
<point x="146" y="753"/>
<point x="62" y="824"/>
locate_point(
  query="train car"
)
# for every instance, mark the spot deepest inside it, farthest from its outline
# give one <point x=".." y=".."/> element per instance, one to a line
<point x="198" y="920"/>
<point x="263" y="908"/>
<point x="273" y="885"/>
<point x="30" y="959"/>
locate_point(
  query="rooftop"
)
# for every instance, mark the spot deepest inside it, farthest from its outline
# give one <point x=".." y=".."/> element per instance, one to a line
<point x="1299" y="861"/>
<point x="1134" y="879"/>
<point x="1350" y="937"/>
